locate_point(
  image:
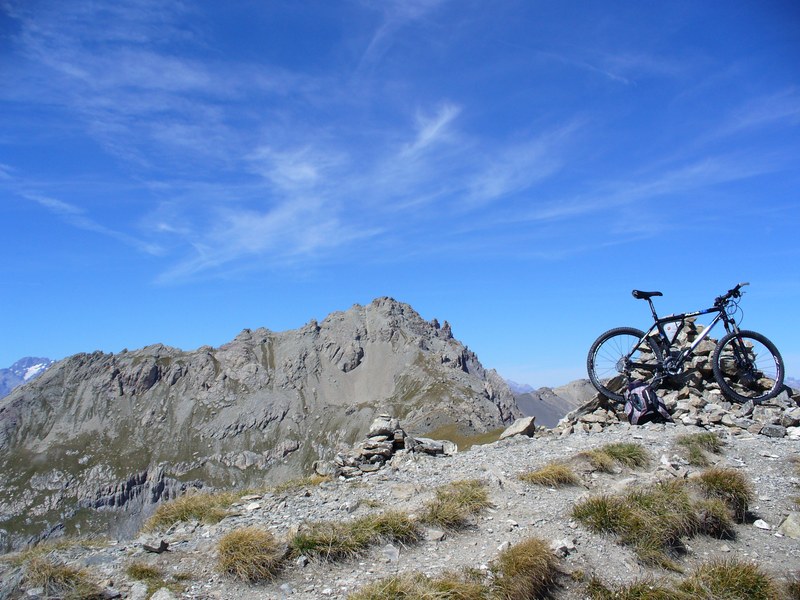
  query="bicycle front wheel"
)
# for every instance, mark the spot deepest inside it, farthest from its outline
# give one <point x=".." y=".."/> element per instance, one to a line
<point x="747" y="366"/>
<point x="617" y="355"/>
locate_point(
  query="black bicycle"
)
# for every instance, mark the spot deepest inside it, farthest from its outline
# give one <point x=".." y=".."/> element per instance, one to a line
<point x="746" y="365"/>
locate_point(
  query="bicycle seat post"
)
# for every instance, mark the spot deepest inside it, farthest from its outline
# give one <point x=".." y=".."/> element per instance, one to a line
<point x="652" y="309"/>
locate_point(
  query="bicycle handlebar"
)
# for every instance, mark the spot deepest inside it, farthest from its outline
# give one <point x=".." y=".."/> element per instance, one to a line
<point x="731" y="293"/>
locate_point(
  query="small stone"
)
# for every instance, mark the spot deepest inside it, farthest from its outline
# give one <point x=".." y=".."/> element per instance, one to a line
<point x="301" y="561"/>
<point x="435" y="535"/>
<point x="762" y="524"/>
<point x="504" y="546"/>
<point x="326" y="592"/>
<point x="252" y="506"/>
<point x="724" y="548"/>
<point x="286" y="589"/>
<point x="776" y="431"/>
<point x="163" y="594"/>
<point x="563" y="547"/>
<point x="391" y="552"/>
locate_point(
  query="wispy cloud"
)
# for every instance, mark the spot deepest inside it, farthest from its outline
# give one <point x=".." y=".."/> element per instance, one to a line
<point x="781" y="108"/>
<point x="396" y="14"/>
<point x="431" y="130"/>
<point x="77" y="217"/>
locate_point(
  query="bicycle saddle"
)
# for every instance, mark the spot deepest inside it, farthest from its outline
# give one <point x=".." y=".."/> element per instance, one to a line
<point x="640" y="295"/>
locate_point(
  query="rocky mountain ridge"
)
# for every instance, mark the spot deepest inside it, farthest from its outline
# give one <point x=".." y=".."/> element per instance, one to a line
<point x="99" y="437"/>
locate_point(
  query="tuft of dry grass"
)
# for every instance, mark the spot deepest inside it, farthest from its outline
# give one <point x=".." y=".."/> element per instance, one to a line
<point x="524" y="571"/>
<point x="250" y="554"/>
<point x="203" y="507"/>
<point x="730" y="579"/>
<point x="154" y="578"/>
<point x="554" y="474"/>
<point x="337" y="540"/>
<point x="455" y="504"/>
<point x="792" y="587"/>
<point x="295" y="485"/>
<point x="728" y="485"/>
<point x="697" y="444"/>
<point x="646" y="589"/>
<point x="626" y="454"/>
<point x="416" y="586"/>
<point x="61" y="581"/>
<point x="715" y="518"/>
<point x="651" y="520"/>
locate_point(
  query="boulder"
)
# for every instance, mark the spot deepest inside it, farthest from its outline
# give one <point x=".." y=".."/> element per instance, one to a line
<point x="524" y="426"/>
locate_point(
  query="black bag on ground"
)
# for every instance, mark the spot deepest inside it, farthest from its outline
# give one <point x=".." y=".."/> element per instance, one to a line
<point x="642" y="405"/>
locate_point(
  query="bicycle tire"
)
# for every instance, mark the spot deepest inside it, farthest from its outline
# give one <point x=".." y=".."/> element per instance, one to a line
<point x="757" y="377"/>
<point x="605" y="362"/>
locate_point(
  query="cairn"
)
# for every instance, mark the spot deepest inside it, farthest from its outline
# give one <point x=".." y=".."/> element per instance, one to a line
<point x="385" y="440"/>
<point x="694" y="398"/>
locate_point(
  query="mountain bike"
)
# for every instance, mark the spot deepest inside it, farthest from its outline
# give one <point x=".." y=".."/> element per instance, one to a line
<point x="746" y="365"/>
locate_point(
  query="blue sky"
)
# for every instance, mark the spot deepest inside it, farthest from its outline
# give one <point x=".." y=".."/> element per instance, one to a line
<point x="176" y="172"/>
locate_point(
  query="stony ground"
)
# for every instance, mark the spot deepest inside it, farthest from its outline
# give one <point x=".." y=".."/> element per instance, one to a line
<point x="519" y="511"/>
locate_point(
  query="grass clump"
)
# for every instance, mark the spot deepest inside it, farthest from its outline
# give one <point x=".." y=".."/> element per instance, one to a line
<point x="250" y="554"/>
<point x="203" y="507"/>
<point x="154" y="578"/>
<point x="299" y="484"/>
<point x="624" y="453"/>
<point x="553" y="474"/>
<point x="651" y="520"/>
<point x="61" y="581"/>
<point x="47" y="546"/>
<point x="654" y="520"/>
<point x="696" y="445"/>
<point x="638" y="590"/>
<point x="455" y="503"/>
<point x="730" y="579"/>
<point x="524" y="571"/>
<point x="727" y="485"/>
<point x="715" y="518"/>
<point x="338" y="540"/>
<point x="416" y="586"/>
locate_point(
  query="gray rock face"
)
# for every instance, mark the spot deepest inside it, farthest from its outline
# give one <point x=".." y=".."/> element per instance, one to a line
<point x="99" y="432"/>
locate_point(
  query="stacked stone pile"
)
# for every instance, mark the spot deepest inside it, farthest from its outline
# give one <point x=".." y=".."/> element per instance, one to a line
<point x="385" y="440"/>
<point x="694" y="398"/>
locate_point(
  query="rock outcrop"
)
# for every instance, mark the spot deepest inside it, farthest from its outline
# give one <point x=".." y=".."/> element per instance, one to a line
<point x="97" y="432"/>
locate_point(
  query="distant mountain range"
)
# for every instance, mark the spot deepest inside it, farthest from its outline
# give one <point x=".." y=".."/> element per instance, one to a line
<point x="21" y="372"/>
<point x="549" y="405"/>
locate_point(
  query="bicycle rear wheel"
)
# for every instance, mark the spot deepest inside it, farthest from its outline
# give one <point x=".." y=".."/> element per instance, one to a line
<point x="618" y="355"/>
<point x="748" y="366"/>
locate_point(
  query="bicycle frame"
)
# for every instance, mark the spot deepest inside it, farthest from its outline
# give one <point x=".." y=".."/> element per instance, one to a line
<point x="665" y="343"/>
